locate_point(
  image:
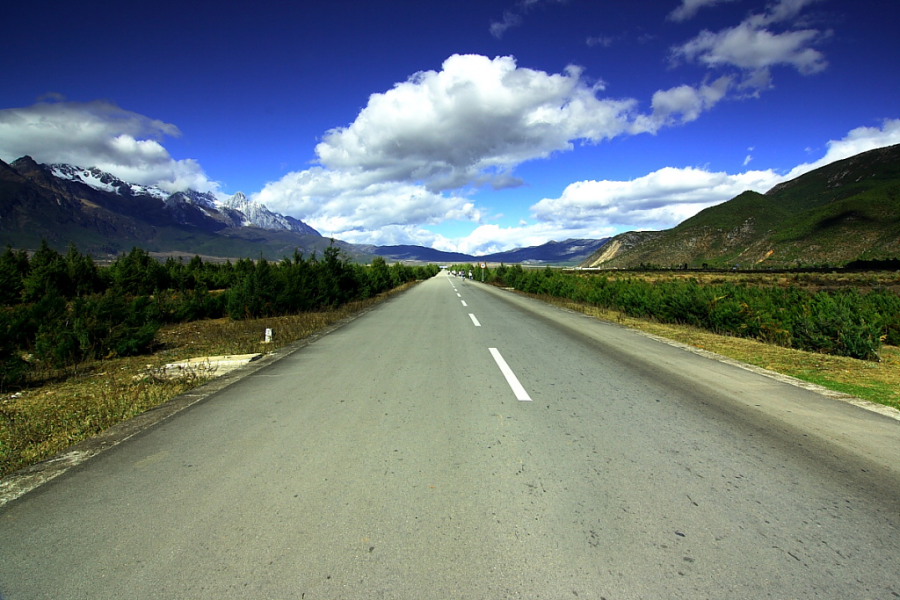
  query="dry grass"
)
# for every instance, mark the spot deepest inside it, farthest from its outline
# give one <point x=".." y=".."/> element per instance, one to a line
<point x="863" y="280"/>
<point x="50" y="415"/>
<point x="43" y="420"/>
<point x="873" y="381"/>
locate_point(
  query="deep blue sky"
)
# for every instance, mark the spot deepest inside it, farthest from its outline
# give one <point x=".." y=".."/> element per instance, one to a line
<point x="516" y="121"/>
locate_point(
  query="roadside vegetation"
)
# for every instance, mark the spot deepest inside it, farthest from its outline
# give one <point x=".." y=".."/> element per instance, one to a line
<point x="840" y="330"/>
<point x="77" y="339"/>
<point x="842" y="321"/>
<point x="59" y="311"/>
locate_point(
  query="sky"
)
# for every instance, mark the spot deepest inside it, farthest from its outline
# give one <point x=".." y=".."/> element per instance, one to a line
<point x="464" y="125"/>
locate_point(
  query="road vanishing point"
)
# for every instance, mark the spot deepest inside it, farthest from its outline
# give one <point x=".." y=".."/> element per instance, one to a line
<point x="463" y="442"/>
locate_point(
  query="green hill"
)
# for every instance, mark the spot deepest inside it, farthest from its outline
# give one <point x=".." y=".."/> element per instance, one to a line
<point x="846" y="211"/>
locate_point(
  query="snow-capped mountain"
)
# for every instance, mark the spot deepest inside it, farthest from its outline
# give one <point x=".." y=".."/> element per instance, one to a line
<point x="103" y="181"/>
<point x="236" y="211"/>
<point x="102" y="214"/>
<point x="257" y="214"/>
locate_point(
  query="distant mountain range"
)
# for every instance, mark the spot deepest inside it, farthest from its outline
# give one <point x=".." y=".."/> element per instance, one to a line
<point x="104" y="215"/>
<point x="569" y="252"/>
<point x="846" y="211"/>
<point x="843" y="212"/>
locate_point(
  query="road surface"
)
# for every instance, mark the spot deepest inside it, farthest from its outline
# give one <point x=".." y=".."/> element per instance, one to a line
<point x="462" y="442"/>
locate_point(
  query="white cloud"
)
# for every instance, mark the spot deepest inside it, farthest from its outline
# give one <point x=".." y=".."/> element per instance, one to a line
<point x="345" y="204"/>
<point x="658" y="200"/>
<point x="751" y="48"/>
<point x="780" y="11"/>
<point x="397" y="235"/>
<point x="681" y="104"/>
<point x="861" y="139"/>
<point x="408" y="152"/>
<point x="689" y="8"/>
<point x="402" y="162"/>
<point x="754" y="47"/>
<point x="99" y="134"/>
<point x="510" y="19"/>
<point x="514" y="17"/>
<point x="668" y="196"/>
<point x="471" y="122"/>
<point x="603" y="41"/>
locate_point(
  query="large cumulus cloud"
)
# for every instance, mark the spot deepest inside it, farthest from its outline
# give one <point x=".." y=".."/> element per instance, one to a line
<point x="99" y="134"/>
<point x="429" y="142"/>
<point x="471" y="122"/>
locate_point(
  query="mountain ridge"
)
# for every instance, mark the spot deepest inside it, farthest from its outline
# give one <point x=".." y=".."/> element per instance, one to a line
<point x="566" y="252"/>
<point x="105" y="215"/>
<point x="102" y="215"/>
<point x="846" y="211"/>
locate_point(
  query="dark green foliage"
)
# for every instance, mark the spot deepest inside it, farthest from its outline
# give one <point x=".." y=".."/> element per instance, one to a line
<point x="845" y="323"/>
<point x="13" y="367"/>
<point x="13" y="269"/>
<point x="138" y="273"/>
<point x="47" y="275"/>
<point x="98" y="326"/>
<point x="84" y="277"/>
<point x="62" y="310"/>
<point x="265" y="289"/>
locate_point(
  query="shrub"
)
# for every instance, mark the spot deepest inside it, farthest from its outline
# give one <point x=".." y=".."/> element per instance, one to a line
<point x="843" y="323"/>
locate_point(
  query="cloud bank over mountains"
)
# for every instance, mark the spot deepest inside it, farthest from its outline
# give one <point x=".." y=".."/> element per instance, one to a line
<point x="393" y="196"/>
<point x="103" y="135"/>
<point x="670" y="195"/>
<point x="418" y="155"/>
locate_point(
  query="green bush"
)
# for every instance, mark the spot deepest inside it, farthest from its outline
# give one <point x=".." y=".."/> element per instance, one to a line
<point x="66" y="309"/>
<point x="13" y="367"/>
<point x="844" y="323"/>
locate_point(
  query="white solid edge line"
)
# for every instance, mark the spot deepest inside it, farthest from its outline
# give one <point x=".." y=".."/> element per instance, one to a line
<point x="474" y="320"/>
<point x="511" y="378"/>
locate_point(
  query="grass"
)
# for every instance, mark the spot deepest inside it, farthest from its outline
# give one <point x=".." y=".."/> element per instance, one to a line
<point x="59" y="410"/>
<point x="49" y="416"/>
<point x="877" y="382"/>
<point x="862" y="281"/>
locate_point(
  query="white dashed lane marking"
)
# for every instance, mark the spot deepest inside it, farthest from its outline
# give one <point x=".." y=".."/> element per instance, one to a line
<point x="511" y="378"/>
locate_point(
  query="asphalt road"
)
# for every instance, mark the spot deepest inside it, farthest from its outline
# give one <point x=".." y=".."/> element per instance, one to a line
<point x="395" y="458"/>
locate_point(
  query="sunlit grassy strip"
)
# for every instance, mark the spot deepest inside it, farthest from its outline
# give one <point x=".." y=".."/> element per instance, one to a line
<point x="877" y="382"/>
<point x="43" y="420"/>
<point x="845" y="322"/>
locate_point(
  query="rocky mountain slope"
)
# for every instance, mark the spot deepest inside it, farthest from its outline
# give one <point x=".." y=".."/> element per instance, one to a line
<point x="842" y="212"/>
<point x="102" y="214"/>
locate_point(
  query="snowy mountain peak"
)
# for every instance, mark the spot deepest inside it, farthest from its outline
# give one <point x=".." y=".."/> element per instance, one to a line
<point x="203" y="200"/>
<point x="187" y="207"/>
<point x="257" y="214"/>
<point x="103" y="181"/>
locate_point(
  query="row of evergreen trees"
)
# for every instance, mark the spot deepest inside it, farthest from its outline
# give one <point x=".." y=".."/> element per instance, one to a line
<point x="61" y="309"/>
<point x="845" y="322"/>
